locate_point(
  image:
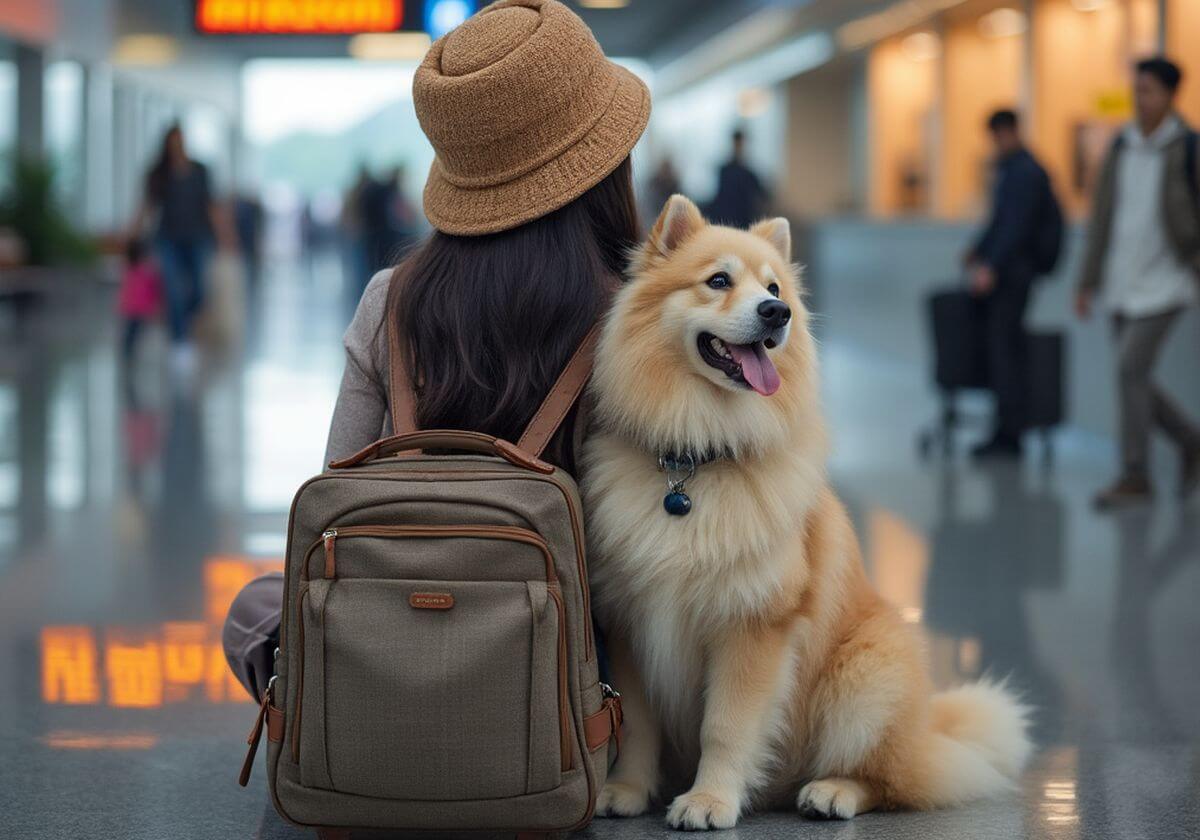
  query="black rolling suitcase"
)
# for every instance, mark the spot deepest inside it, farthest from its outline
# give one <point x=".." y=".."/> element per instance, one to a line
<point x="1046" y="351"/>
<point x="960" y="363"/>
<point x="959" y="351"/>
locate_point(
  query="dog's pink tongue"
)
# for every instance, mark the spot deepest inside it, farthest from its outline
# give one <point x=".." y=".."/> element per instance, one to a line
<point x="758" y="370"/>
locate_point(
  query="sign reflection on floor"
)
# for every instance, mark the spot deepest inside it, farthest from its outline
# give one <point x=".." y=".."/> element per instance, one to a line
<point x="172" y="662"/>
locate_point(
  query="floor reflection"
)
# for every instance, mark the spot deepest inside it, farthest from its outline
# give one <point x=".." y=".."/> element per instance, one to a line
<point x="134" y="503"/>
<point x="983" y="564"/>
<point x="147" y="667"/>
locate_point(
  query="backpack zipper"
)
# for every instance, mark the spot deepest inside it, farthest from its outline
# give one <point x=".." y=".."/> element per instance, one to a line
<point x="511" y="533"/>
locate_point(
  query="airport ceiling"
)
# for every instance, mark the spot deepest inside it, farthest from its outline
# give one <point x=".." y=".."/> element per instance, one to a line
<point x="653" y="30"/>
<point x="658" y="30"/>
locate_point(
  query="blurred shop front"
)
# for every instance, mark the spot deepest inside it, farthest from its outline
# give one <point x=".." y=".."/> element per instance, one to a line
<point x="1065" y="65"/>
<point x="858" y="108"/>
<point x="868" y="119"/>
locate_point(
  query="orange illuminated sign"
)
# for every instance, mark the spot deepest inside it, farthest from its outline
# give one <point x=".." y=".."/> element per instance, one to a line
<point x="298" y="17"/>
<point x="145" y="668"/>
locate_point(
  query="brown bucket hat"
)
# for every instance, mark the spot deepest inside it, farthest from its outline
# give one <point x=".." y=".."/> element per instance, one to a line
<point x="524" y="113"/>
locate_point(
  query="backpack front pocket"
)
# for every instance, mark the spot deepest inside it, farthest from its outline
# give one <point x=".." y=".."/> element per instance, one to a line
<point x="403" y="681"/>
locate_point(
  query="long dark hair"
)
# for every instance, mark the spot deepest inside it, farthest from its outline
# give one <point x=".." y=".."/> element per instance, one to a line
<point x="156" y="179"/>
<point x="490" y="321"/>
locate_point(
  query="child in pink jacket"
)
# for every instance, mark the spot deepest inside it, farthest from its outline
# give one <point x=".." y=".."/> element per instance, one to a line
<point x="140" y="299"/>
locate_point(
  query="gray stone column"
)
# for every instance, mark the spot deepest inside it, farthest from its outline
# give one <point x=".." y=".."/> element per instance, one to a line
<point x="31" y="94"/>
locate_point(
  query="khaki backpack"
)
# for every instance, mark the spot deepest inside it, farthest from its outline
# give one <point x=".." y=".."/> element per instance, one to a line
<point x="436" y="668"/>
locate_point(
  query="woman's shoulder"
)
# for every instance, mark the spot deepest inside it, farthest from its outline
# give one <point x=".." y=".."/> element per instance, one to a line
<point x="365" y="338"/>
<point x="374" y="296"/>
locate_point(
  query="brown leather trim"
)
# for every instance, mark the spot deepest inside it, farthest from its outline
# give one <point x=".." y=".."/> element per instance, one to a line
<point x="252" y="740"/>
<point x="564" y="707"/>
<point x="562" y="396"/>
<point x="431" y="600"/>
<point x="300" y="679"/>
<point x="401" y="402"/>
<point x="274" y="723"/>
<point x="330" y="540"/>
<point x="444" y="439"/>
<point x="604" y="725"/>
<point x="521" y="458"/>
<point x="511" y="533"/>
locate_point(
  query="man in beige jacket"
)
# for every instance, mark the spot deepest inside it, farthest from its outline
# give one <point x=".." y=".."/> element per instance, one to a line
<point x="1143" y="252"/>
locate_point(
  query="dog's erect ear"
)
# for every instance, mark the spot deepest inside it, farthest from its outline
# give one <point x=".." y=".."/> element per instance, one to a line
<point x="680" y="218"/>
<point x="778" y="232"/>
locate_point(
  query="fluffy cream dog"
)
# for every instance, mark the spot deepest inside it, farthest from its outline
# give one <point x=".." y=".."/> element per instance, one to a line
<point x="744" y="634"/>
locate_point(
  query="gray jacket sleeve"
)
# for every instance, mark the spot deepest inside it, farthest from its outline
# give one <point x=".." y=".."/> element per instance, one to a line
<point x="360" y="416"/>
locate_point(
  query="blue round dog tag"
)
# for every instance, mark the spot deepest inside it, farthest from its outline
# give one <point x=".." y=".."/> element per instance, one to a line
<point x="677" y="504"/>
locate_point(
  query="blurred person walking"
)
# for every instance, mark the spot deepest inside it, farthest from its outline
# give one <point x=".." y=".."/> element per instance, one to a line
<point x="354" y="237"/>
<point x="741" y="199"/>
<point x="1001" y="268"/>
<point x="140" y="297"/>
<point x="663" y="184"/>
<point x="388" y="219"/>
<point x="248" y="226"/>
<point x="178" y="195"/>
<point x="1143" y="252"/>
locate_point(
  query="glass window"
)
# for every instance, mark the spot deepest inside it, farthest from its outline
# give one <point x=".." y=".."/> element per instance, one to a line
<point x="63" y="127"/>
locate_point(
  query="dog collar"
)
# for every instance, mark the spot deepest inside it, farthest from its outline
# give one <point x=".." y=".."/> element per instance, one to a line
<point x="680" y="468"/>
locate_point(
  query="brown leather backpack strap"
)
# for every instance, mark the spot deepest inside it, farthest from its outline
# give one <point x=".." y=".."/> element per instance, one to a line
<point x="562" y="396"/>
<point x="401" y="401"/>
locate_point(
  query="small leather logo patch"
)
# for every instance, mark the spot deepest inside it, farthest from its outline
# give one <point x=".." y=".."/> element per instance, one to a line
<point x="431" y="600"/>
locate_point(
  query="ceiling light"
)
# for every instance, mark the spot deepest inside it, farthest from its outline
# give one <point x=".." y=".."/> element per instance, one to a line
<point x="394" y="46"/>
<point x="921" y="46"/>
<point x="753" y="102"/>
<point x="604" y="4"/>
<point x="145" y="50"/>
<point x="1003" y="23"/>
<point x="443" y="15"/>
<point x="892" y="20"/>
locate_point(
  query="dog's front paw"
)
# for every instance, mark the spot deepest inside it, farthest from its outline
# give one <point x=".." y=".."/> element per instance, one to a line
<point x="699" y="810"/>
<point x="829" y="799"/>
<point x="618" y="799"/>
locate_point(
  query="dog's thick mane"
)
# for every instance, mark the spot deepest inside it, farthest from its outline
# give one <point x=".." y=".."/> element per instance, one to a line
<point x="638" y="400"/>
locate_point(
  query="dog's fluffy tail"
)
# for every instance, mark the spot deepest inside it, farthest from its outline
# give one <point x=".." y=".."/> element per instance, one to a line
<point x="979" y="743"/>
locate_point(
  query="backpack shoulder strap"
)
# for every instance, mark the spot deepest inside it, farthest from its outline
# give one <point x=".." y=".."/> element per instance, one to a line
<point x="545" y="423"/>
<point x="562" y="396"/>
<point x="400" y="389"/>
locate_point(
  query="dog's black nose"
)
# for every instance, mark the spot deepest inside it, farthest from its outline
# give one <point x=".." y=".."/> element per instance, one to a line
<point x="775" y="312"/>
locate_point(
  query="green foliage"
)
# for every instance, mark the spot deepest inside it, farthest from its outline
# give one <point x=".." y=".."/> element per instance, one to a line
<point x="30" y="208"/>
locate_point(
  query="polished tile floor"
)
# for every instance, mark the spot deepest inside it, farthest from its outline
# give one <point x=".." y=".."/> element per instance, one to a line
<point x="135" y="501"/>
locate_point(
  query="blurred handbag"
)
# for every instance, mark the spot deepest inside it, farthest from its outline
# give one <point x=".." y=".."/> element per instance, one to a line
<point x="222" y="322"/>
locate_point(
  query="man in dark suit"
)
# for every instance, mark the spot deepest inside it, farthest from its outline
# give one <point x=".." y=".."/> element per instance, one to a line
<point x="1000" y="268"/>
<point x="741" y="198"/>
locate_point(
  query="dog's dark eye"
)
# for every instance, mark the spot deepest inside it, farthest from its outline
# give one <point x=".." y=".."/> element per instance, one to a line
<point x="774" y="289"/>
<point x="720" y="280"/>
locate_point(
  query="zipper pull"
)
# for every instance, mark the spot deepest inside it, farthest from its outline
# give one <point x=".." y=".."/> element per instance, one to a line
<point x="330" y="537"/>
<point x="254" y="737"/>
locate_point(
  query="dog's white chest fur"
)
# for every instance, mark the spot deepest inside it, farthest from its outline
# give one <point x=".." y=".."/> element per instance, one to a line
<point x="672" y="581"/>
